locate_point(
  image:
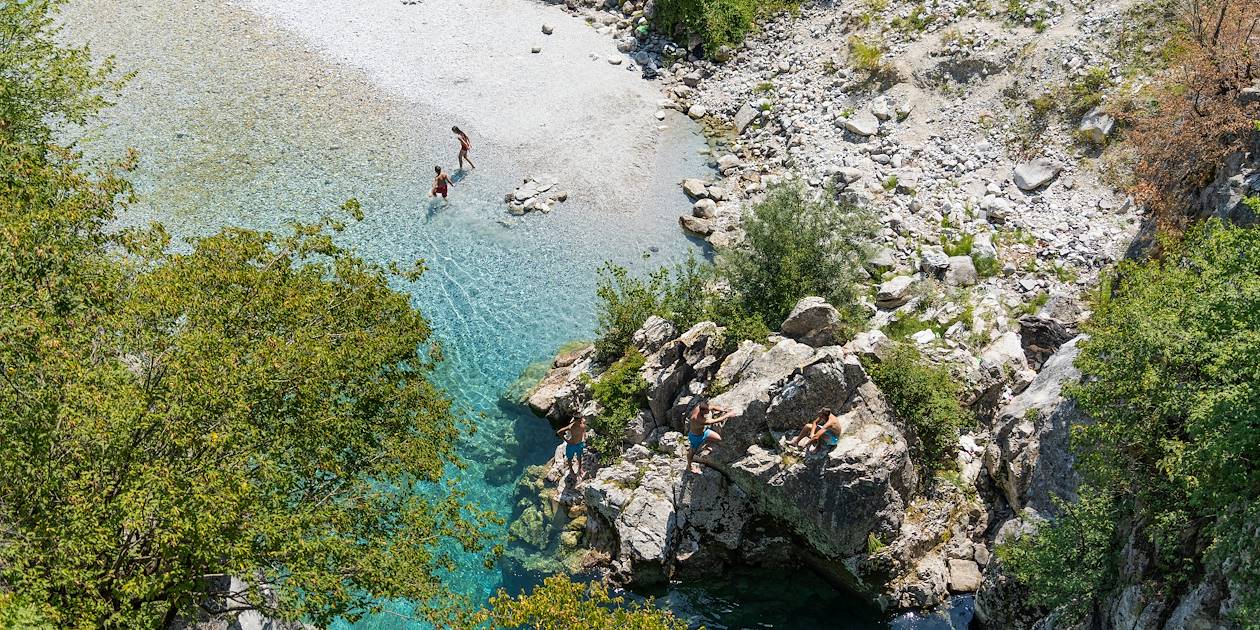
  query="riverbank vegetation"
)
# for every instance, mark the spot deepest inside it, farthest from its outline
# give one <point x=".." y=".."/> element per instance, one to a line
<point x="252" y="405"/>
<point x="1173" y="358"/>
<point x="925" y="397"/>
<point x="561" y="604"/>
<point x="794" y="246"/>
<point x="716" y="23"/>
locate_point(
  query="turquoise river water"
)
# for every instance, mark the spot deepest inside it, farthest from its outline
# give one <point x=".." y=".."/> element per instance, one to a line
<point x="239" y="123"/>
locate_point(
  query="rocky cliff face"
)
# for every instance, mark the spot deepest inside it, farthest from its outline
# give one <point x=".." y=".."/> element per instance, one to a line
<point x="858" y="511"/>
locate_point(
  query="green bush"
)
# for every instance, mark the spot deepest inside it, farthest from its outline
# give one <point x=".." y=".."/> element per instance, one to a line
<point x="959" y="247"/>
<point x="626" y="301"/>
<point x="716" y="22"/>
<point x="925" y="397"/>
<point x="249" y="403"/>
<point x="620" y="392"/>
<point x="560" y="604"/>
<point x="1070" y="562"/>
<point x="1173" y="353"/>
<point x="986" y="266"/>
<point x="796" y="247"/>
<point x="1087" y="92"/>
<point x="866" y="54"/>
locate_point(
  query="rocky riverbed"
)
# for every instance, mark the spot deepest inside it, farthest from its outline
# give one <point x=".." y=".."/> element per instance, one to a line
<point x="981" y="136"/>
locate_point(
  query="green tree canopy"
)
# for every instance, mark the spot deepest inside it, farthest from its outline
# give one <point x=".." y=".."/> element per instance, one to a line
<point x="794" y="247"/>
<point x="255" y="405"/>
<point x="1172" y="367"/>
<point x="562" y="604"/>
<point x="44" y="84"/>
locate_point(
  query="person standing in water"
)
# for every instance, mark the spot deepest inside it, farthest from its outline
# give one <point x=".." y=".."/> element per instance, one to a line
<point x="464" y="145"/>
<point x="574" y="444"/>
<point x="440" y="183"/>
<point x="698" y="432"/>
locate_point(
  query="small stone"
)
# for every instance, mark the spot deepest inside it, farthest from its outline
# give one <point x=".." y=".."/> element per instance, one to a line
<point x="961" y="272"/>
<point x="697" y="111"/>
<point x="923" y="337"/>
<point x="616" y="61"/>
<point x="536" y="49"/>
<point x="744" y="117"/>
<point x="547" y="29"/>
<point x="1096" y="125"/>
<point x="728" y="162"/>
<point x="894" y="293"/>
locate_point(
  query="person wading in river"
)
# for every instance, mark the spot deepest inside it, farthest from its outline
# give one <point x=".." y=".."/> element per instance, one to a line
<point x="698" y="432"/>
<point x="574" y="444"/>
<point x="440" y="182"/>
<point x="464" y="145"/>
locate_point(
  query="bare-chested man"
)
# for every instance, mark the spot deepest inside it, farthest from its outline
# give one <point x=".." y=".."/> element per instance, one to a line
<point x="440" y="183"/>
<point x="824" y="424"/>
<point x="698" y="432"/>
<point x="575" y="443"/>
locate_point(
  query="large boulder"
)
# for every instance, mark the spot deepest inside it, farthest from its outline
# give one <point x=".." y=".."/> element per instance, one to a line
<point x="696" y="352"/>
<point x="894" y="293"/>
<point x="961" y="272"/>
<point x="1002" y="601"/>
<point x="562" y="393"/>
<point x="1041" y="337"/>
<point x="1035" y="174"/>
<point x="1030" y="458"/>
<point x="662" y="517"/>
<point x="836" y="497"/>
<point x="696" y="225"/>
<point x="653" y="335"/>
<point x="813" y="322"/>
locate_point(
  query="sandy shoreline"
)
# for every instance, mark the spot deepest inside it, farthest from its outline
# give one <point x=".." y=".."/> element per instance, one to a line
<point x="565" y="111"/>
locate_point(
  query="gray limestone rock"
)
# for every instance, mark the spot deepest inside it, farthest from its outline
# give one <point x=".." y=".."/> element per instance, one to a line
<point x="862" y="124"/>
<point x="1096" y="125"/>
<point x="813" y="322"/>
<point x="894" y="293"/>
<point x="1035" y="174"/>
<point x="1029" y="458"/>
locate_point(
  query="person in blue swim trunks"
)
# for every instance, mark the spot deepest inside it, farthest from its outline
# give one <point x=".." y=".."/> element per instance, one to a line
<point x="698" y="432"/>
<point x="824" y="425"/>
<point x="574" y="444"/>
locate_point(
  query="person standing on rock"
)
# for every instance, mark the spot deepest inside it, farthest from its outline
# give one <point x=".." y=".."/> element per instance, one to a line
<point x="698" y="432"/>
<point x="440" y="182"/>
<point x="574" y="444"/>
<point x="824" y="424"/>
<point x="464" y="145"/>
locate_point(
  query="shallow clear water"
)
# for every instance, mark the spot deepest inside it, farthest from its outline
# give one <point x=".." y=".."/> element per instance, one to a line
<point x="238" y="123"/>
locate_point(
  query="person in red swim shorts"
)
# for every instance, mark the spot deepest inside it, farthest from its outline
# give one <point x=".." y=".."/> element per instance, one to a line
<point x="440" y="183"/>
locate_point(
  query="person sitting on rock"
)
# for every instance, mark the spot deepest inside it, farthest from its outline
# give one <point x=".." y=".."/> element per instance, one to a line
<point x="824" y="424"/>
<point x="575" y="444"/>
<point x="698" y="432"/>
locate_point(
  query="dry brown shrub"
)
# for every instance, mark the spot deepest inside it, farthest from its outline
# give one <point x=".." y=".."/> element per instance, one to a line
<point x="1197" y="117"/>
